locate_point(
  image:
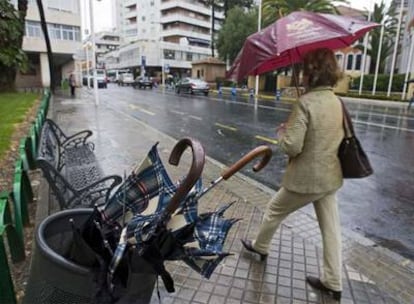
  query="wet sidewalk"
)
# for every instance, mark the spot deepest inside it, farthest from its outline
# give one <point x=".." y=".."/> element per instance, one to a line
<point x="371" y="274"/>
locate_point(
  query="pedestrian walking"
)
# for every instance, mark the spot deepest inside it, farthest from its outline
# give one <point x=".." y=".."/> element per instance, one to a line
<point x="72" y="84"/>
<point x="311" y="138"/>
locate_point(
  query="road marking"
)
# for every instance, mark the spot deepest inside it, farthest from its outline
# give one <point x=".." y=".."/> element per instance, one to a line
<point x="381" y="125"/>
<point x="134" y="107"/>
<point x="195" y="117"/>
<point x="147" y="112"/>
<point x="177" y="112"/>
<point x="269" y="140"/>
<point x="225" y="127"/>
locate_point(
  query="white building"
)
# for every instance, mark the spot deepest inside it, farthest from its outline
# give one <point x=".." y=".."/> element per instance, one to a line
<point x="64" y="25"/>
<point x="105" y="42"/>
<point x="169" y="33"/>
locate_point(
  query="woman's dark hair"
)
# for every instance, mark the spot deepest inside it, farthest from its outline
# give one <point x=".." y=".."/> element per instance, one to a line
<point x="321" y="67"/>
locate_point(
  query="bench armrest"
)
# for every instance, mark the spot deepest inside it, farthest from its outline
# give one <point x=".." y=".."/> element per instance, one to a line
<point x="78" y="139"/>
<point x="95" y="193"/>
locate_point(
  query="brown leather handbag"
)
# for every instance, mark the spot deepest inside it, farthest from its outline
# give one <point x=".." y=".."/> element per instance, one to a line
<point x="354" y="161"/>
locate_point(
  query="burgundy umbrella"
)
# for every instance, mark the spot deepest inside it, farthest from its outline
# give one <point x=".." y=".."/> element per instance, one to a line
<point x="285" y="41"/>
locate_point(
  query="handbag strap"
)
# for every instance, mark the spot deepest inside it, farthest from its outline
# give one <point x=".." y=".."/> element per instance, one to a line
<point x="347" y="122"/>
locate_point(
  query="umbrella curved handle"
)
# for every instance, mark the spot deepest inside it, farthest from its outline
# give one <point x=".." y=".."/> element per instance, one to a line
<point x="193" y="175"/>
<point x="263" y="150"/>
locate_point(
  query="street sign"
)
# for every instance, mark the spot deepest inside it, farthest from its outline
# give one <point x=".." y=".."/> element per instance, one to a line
<point x="167" y="68"/>
<point x="143" y="61"/>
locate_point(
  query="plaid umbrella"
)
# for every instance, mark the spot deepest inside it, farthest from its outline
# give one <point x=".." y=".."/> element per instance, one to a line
<point x="159" y="221"/>
<point x="179" y="233"/>
<point x="147" y="181"/>
<point x="196" y="239"/>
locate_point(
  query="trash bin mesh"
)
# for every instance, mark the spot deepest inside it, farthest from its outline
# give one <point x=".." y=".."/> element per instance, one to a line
<point x="54" y="279"/>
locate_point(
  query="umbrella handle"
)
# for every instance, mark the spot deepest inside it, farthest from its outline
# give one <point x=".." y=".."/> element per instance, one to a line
<point x="193" y="175"/>
<point x="260" y="150"/>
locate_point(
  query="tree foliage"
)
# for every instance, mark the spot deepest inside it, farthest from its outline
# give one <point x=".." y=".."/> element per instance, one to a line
<point x="383" y="16"/>
<point x="229" y="4"/>
<point x="275" y="9"/>
<point x="238" y="25"/>
<point x="12" y="57"/>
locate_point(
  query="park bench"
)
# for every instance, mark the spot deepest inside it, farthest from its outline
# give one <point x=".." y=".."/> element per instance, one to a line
<point x="71" y="168"/>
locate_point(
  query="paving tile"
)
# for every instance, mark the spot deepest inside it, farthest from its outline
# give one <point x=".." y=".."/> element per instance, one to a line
<point x="295" y="249"/>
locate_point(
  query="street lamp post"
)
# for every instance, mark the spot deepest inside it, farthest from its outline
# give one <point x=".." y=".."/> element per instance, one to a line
<point x="259" y="27"/>
<point x="87" y="45"/>
<point x="162" y="67"/>
<point x="95" y="80"/>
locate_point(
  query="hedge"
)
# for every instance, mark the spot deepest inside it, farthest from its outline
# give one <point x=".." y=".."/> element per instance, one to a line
<point x="382" y="83"/>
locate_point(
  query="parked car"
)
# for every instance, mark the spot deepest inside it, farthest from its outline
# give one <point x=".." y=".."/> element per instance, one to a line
<point x="192" y="86"/>
<point x="143" y="82"/>
<point x="100" y="78"/>
<point x="126" y="79"/>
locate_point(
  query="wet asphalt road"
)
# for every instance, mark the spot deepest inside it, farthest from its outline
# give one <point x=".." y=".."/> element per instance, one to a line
<point x="381" y="207"/>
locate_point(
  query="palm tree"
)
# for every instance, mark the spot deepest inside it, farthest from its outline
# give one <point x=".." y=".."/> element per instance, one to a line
<point x="381" y="15"/>
<point x="275" y="9"/>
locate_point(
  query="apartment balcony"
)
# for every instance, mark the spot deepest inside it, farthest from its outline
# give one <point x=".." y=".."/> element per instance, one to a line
<point x="130" y="14"/>
<point x="219" y="15"/>
<point x="127" y="3"/>
<point x="185" y="33"/>
<point x="131" y="26"/>
<point x="186" y="19"/>
<point x="37" y="45"/>
<point x="187" y="5"/>
<point x="54" y="16"/>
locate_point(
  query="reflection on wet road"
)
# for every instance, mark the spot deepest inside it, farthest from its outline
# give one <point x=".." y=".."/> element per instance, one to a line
<point x="380" y="206"/>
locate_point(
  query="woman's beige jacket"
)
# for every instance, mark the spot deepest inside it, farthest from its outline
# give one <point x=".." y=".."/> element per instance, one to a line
<point x="311" y="140"/>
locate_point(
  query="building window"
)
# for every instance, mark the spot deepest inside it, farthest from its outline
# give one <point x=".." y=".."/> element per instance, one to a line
<point x="189" y="57"/>
<point x="169" y="54"/>
<point x="33" y="29"/>
<point x="349" y="61"/>
<point x="340" y="60"/>
<point x="130" y="33"/>
<point x="358" y="61"/>
<point x="70" y="6"/>
<point x="67" y="33"/>
<point x="56" y="31"/>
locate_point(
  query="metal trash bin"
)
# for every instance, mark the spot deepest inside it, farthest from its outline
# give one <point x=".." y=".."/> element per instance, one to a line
<point x="55" y="279"/>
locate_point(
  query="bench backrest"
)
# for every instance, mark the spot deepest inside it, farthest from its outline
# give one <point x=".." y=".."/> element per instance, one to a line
<point x="61" y="188"/>
<point x="49" y="146"/>
<point x="60" y="135"/>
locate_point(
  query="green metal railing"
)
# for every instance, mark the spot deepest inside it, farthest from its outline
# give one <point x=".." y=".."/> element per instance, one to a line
<point x="11" y="228"/>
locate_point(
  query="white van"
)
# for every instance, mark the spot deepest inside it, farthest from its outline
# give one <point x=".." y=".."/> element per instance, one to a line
<point x="101" y="78"/>
<point x="126" y="79"/>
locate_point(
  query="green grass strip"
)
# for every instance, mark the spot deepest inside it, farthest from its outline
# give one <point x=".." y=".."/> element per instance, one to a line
<point x="13" y="110"/>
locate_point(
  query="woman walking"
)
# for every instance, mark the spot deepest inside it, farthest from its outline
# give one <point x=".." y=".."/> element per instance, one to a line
<point x="311" y="138"/>
<point x="72" y="84"/>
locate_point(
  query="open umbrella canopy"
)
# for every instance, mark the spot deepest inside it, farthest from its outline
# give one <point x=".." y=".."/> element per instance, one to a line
<point x="286" y="41"/>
